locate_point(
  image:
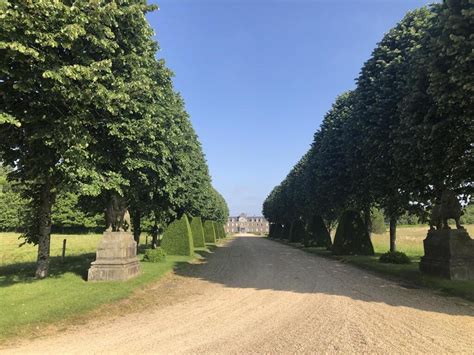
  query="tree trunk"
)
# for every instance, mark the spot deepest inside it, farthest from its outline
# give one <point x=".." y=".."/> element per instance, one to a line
<point x="154" y="236"/>
<point x="393" y="234"/>
<point x="43" y="216"/>
<point x="137" y="219"/>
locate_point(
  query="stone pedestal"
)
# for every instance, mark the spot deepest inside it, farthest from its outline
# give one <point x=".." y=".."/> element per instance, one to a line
<point x="116" y="258"/>
<point x="449" y="253"/>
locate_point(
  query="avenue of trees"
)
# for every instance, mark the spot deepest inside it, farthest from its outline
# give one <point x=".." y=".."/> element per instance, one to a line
<point x="400" y="138"/>
<point x="86" y="110"/>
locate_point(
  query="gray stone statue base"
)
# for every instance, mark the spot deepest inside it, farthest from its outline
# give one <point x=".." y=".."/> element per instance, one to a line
<point x="449" y="253"/>
<point x="116" y="258"/>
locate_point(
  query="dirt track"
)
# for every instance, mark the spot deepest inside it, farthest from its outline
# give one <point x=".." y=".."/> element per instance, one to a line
<point x="258" y="296"/>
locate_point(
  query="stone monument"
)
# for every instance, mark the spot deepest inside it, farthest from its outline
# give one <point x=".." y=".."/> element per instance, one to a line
<point x="449" y="253"/>
<point x="116" y="258"/>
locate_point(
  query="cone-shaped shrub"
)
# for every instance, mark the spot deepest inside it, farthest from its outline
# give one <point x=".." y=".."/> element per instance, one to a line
<point x="197" y="231"/>
<point x="318" y="233"/>
<point x="278" y="231"/>
<point x="285" y="233"/>
<point x="217" y="230"/>
<point x="178" y="239"/>
<point x="351" y="236"/>
<point x="297" y="232"/>
<point x="209" y="232"/>
<point x="222" y="229"/>
<point x="271" y="232"/>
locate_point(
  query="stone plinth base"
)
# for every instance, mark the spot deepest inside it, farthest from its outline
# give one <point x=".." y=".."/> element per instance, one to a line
<point x="449" y="253"/>
<point x="116" y="258"/>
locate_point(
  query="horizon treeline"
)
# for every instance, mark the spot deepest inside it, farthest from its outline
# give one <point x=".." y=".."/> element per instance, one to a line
<point x="403" y="136"/>
<point x="87" y="110"/>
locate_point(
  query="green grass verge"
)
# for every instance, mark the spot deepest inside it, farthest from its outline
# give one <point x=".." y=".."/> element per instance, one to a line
<point x="26" y="303"/>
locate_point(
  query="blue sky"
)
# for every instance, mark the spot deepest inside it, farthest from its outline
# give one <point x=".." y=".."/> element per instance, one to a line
<point x="258" y="76"/>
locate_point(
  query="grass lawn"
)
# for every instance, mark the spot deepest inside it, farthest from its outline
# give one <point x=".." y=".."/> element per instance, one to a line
<point x="25" y="303"/>
<point x="409" y="241"/>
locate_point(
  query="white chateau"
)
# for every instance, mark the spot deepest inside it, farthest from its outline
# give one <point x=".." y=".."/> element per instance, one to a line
<point x="246" y="224"/>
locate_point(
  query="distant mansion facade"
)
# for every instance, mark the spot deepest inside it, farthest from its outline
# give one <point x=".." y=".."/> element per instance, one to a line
<point x="245" y="224"/>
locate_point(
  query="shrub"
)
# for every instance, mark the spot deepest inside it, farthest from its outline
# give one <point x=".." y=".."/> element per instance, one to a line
<point x="396" y="257"/>
<point x="352" y="236"/>
<point x="318" y="234"/>
<point x="177" y="239"/>
<point x="277" y="231"/>
<point x="220" y="230"/>
<point x="271" y="233"/>
<point x="154" y="255"/>
<point x="217" y="230"/>
<point x="197" y="232"/>
<point x="209" y="232"/>
<point x="285" y="233"/>
<point x="297" y="231"/>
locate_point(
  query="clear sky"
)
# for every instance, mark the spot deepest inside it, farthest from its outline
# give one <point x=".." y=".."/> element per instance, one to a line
<point x="257" y="77"/>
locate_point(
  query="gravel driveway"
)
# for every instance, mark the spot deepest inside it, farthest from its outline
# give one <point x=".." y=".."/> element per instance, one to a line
<point x="253" y="295"/>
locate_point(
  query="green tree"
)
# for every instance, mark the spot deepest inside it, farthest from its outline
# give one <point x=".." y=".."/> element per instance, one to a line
<point x="332" y="182"/>
<point x="50" y="86"/>
<point x="83" y="82"/>
<point x="378" y="96"/>
<point x="436" y="113"/>
<point x="12" y="205"/>
<point x="68" y="216"/>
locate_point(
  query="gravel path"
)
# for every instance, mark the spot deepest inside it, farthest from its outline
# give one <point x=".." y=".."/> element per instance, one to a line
<point x="258" y="296"/>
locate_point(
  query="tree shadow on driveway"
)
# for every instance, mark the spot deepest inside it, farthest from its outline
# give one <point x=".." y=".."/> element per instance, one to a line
<point x="260" y="264"/>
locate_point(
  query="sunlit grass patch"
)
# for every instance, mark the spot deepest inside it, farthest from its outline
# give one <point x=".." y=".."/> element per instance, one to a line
<point x="26" y="303"/>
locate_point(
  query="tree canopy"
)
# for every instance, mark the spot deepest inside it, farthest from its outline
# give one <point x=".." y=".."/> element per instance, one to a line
<point x="88" y="110"/>
<point x="402" y="136"/>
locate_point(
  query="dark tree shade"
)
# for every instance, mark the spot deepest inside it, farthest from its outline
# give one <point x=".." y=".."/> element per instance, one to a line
<point x="318" y="233"/>
<point x="297" y="231"/>
<point x="351" y="236"/>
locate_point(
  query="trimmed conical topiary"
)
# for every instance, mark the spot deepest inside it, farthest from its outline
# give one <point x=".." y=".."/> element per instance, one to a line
<point x="222" y="230"/>
<point x="297" y="231"/>
<point x="285" y="233"/>
<point x="278" y="231"/>
<point x="209" y="232"/>
<point x="271" y="231"/>
<point x="318" y="233"/>
<point x="352" y="236"/>
<point x="178" y="239"/>
<point x="197" y="231"/>
<point x="217" y="230"/>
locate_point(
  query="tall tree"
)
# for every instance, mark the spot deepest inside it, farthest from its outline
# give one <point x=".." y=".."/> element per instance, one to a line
<point x="71" y="78"/>
<point x="47" y="84"/>
<point x="380" y="89"/>
<point x="435" y="137"/>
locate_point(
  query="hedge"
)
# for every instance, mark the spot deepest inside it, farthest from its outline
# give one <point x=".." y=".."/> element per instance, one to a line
<point x="276" y="231"/>
<point x="209" y="232"/>
<point x="318" y="233"/>
<point x="216" y="230"/>
<point x="352" y="236"/>
<point x="177" y="239"/>
<point x="285" y="233"/>
<point x="197" y="232"/>
<point x="297" y="231"/>
<point x="220" y="230"/>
